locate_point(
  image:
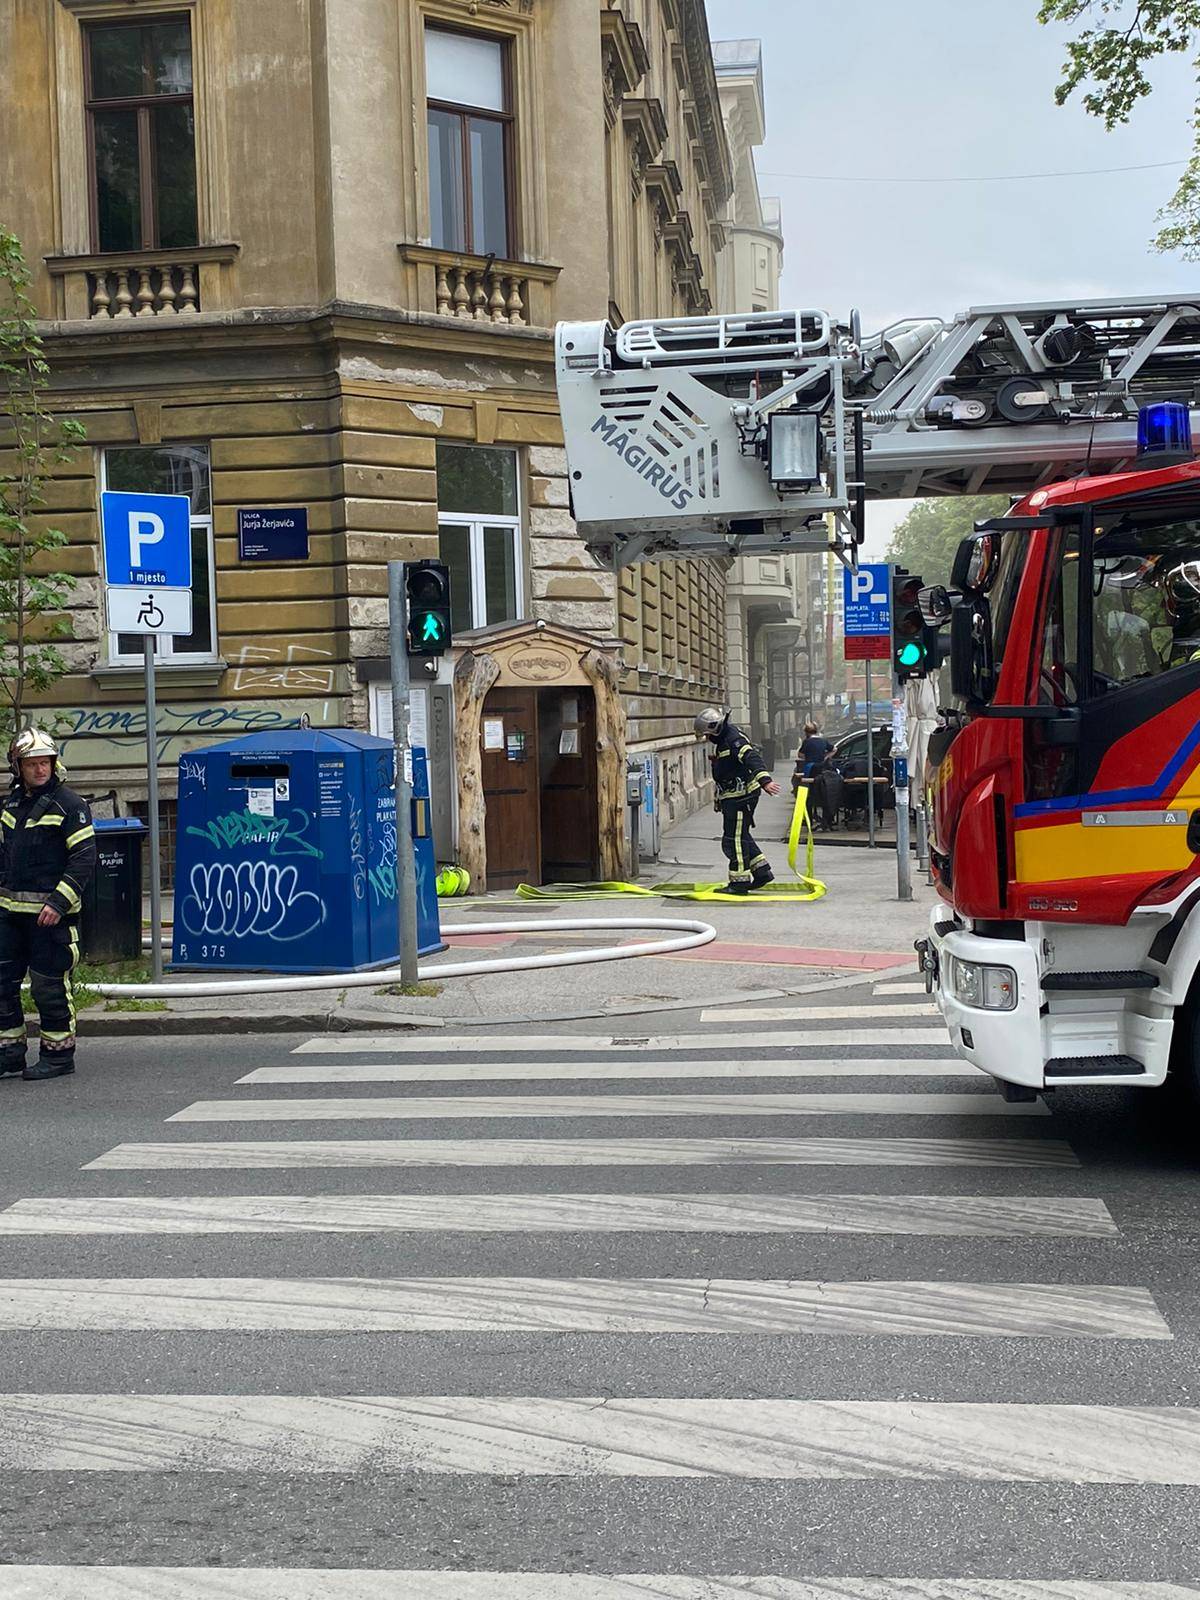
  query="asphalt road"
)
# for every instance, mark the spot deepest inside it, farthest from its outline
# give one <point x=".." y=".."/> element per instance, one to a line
<point x="914" y="1344"/>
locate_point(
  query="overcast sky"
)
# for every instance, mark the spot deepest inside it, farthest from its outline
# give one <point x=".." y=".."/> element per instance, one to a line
<point x="893" y="91"/>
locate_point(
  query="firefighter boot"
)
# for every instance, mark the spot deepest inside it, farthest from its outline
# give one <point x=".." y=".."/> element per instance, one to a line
<point x="762" y="877"/>
<point x="737" y="888"/>
<point x="12" y="1057"/>
<point x="50" y="1064"/>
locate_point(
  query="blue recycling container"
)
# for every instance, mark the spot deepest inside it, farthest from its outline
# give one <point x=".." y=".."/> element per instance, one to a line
<point x="285" y="854"/>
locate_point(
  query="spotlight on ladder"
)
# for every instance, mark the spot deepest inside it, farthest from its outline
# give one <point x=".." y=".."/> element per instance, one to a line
<point x="1164" y="434"/>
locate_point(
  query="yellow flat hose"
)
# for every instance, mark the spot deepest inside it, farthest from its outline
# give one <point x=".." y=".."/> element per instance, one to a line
<point x="803" y="886"/>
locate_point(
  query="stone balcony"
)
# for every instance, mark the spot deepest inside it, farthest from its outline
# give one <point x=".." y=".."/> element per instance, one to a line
<point x="142" y="284"/>
<point x="467" y="288"/>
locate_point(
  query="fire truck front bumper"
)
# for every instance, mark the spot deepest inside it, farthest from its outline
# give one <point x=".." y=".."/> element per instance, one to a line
<point x="987" y="991"/>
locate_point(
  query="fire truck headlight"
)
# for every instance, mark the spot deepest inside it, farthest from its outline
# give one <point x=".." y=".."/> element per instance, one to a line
<point x="984" y="987"/>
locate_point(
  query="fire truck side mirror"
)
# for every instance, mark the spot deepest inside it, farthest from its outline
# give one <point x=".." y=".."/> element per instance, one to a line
<point x="975" y="562"/>
<point x="972" y="677"/>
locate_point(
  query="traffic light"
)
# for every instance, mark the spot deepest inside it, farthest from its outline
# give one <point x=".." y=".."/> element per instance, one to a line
<point x="427" y="604"/>
<point x="910" y="635"/>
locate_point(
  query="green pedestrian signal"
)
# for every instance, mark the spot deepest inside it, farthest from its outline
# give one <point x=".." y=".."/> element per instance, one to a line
<point x="427" y="605"/>
<point x="911" y="654"/>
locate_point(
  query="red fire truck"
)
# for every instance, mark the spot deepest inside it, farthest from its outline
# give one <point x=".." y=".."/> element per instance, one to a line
<point x="1066" y="777"/>
<point x="1066" y="841"/>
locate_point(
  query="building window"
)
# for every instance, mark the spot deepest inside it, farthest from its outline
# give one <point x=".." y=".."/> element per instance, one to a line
<point x="141" y="134"/>
<point x="470" y="141"/>
<point x="479" y="533"/>
<point x="171" y="469"/>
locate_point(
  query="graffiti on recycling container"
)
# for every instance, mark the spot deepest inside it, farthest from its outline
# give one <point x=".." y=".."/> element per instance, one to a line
<point x="382" y="872"/>
<point x="282" y="836"/>
<point x="248" y="899"/>
<point x="193" y="772"/>
<point x="358" y="861"/>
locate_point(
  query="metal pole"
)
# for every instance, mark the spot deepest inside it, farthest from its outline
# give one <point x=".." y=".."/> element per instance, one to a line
<point x="406" y="867"/>
<point x="870" y="764"/>
<point x="903" y="863"/>
<point x="900" y="784"/>
<point x="156" y="960"/>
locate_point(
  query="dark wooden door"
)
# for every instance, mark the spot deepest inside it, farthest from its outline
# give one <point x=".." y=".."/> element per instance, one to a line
<point x="567" y="739"/>
<point x="509" y="756"/>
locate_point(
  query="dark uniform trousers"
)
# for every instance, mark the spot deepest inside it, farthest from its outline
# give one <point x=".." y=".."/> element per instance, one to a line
<point x="737" y="842"/>
<point x="48" y="955"/>
<point x="47" y="856"/>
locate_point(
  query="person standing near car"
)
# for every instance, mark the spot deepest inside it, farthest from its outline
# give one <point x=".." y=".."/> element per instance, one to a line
<point x="814" y="750"/>
<point x="47" y="856"/>
<point x="740" y="778"/>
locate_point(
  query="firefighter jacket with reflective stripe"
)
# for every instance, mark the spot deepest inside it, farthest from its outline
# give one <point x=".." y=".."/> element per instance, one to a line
<point x="47" y="849"/>
<point x="738" y="768"/>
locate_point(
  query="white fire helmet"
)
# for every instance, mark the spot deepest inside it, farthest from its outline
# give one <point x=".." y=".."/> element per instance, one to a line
<point x="30" y="742"/>
<point x="709" y="720"/>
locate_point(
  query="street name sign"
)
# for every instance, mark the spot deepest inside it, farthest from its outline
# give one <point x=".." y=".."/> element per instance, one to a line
<point x="273" y="535"/>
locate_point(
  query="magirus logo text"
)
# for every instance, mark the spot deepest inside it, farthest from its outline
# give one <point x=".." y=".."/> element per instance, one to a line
<point x="639" y="459"/>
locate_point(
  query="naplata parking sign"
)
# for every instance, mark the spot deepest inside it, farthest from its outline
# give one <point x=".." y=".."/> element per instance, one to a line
<point x="275" y="535"/>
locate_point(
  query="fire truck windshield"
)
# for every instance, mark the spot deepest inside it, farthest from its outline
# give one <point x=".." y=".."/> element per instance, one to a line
<point x="1140" y="606"/>
<point x="1145" y="600"/>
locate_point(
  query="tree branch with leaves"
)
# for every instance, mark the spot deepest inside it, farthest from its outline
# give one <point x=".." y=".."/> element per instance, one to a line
<point x="33" y="594"/>
<point x="1109" y="63"/>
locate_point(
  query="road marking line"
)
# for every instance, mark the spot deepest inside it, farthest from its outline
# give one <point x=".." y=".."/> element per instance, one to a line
<point x="595" y="1436"/>
<point x="516" y="1044"/>
<point x="916" y="987"/>
<point x="245" y="1154"/>
<point x="327" y="1583"/>
<point x="967" y="1216"/>
<point x="580" y="1305"/>
<point x="613" y="1071"/>
<point x="817" y="1013"/>
<point x="383" y="1108"/>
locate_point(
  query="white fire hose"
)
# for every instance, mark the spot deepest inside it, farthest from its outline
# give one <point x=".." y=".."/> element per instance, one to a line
<point x="687" y="935"/>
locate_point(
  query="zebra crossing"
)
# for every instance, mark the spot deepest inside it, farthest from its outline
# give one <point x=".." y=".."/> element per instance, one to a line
<point x="629" y="1312"/>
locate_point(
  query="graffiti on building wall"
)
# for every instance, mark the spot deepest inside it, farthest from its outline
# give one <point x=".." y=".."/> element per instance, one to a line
<point x="96" y="737"/>
<point x="290" y="669"/>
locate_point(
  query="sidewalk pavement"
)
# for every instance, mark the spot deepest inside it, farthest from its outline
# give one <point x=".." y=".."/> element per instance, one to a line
<point x="763" y="950"/>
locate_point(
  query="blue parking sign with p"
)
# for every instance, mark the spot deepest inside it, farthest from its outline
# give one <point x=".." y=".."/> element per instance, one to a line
<point x="147" y="540"/>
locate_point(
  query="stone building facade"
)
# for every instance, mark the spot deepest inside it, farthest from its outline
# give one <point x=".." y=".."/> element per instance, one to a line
<point x="310" y="254"/>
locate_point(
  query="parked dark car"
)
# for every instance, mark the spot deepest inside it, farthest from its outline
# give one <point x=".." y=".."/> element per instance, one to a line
<point x="849" y="755"/>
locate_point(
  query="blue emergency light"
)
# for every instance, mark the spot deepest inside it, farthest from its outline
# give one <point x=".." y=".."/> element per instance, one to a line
<point x="1164" y="434"/>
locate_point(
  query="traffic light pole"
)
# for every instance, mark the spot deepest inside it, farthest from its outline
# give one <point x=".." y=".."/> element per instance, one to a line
<point x="406" y="866"/>
<point x="900" y="782"/>
<point x="870" y="763"/>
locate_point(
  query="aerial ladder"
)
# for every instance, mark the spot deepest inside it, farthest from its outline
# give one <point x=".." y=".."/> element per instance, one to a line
<point x="726" y="435"/>
<point x="1065" y="777"/>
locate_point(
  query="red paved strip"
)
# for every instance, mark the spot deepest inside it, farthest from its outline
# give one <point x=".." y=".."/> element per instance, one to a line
<point x="786" y="955"/>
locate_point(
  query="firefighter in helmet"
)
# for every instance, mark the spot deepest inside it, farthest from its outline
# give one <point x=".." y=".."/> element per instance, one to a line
<point x="740" y="778"/>
<point x="47" y="855"/>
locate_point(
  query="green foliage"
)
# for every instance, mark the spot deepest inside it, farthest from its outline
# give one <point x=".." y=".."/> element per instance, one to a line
<point x="932" y="531"/>
<point x="32" y="595"/>
<point x="1109" y="61"/>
